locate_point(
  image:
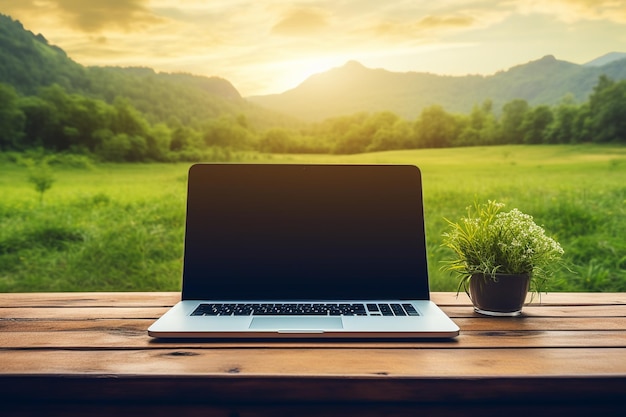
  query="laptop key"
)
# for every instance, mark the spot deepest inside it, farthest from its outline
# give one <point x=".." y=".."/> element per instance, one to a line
<point x="242" y="310"/>
<point x="373" y="308"/>
<point x="410" y="310"/>
<point x="206" y="310"/>
<point x="359" y="310"/>
<point x="398" y="310"/>
<point x="385" y="310"/>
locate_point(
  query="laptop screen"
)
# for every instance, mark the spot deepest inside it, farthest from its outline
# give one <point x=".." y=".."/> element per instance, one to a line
<point x="304" y="232"/>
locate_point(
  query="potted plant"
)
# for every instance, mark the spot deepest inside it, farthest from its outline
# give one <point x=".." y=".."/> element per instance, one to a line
<point x="500" y="256"/>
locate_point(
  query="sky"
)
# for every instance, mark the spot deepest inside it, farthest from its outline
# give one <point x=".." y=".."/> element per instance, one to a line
<point x="270" y="46"/>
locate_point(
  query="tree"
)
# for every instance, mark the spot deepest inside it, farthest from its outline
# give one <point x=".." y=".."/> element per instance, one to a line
<point x="607" y="111"/>
<point x="185" y="138"/>
<point x="39" y="115"/>
<point x="398" y="135"/>
<point x="435" y="128"/>
<point x="40" y="175"/>
<point x="513" y="114"/>
<point x="226" y="132"/>
<point x="158" y="142"/>
<point x="127" y="119"/>
<point x="563" y="129"/>
<point x="535" y="124"/>
<point x="54" y="135"/>
<point x="11" y="119"/>
<point x="276" y="140"/>
<point x="113" y="147"/>
<point x="582" y="125"/>
<point x="479" y="128"/>
<point x="353" y="141"/>
<point x="84" y="117"/>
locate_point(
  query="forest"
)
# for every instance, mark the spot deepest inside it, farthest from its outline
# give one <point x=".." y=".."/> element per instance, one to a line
<point x="56" y="120"/>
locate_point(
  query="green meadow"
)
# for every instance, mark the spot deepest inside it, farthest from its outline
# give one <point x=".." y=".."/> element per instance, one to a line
<point x="119" y="227"/>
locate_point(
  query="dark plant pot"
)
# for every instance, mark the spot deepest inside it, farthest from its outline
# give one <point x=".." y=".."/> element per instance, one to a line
<point x="499" y="294"/>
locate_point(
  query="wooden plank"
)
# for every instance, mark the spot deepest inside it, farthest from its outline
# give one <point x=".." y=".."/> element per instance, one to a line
<point x="92" y="313"/>
<point x="159" y="299"/>
<point x="554" y="311"/>
<point x="540" y="323"/>
<point x="338" y="363"/>
<point x="466" y="324"/>
<point x="233" y="385"/>
<point x="77" y="324"/>
<point x="545" y="299"/>
<point x="81" y="313"/>
<point x="124" y="338"/>
<point x="90" y="299"/>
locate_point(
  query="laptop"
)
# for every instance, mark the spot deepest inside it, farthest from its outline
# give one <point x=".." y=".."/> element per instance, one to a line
<point x="304" y="251"/>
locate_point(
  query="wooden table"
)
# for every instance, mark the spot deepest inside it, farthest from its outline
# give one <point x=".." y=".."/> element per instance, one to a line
<point x="88" y="354"/>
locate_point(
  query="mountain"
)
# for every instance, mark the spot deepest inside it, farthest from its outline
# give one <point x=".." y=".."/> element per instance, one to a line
<point x="606" y="59"/>
<point x="28" y="62"/>
<point x="353" y="88"/>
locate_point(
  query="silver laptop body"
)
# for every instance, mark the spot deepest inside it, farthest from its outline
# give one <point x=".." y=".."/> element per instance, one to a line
<point x="304" y="251"/>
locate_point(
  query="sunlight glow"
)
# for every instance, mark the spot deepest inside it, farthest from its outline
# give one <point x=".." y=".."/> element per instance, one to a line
<point x="270" y="46"/>
<point x="298" y="70"/>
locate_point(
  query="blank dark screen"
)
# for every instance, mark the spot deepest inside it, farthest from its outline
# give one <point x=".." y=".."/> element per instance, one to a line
<point x="304" y="232"/>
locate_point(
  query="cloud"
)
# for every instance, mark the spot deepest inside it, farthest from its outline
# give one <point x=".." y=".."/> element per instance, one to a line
<point x="301" y="22"/>
<point x="572" y="11"/>
<point x="90" y="16"/>
<point x="14" y="7"/>
<point x="436" y="22"/>
<point x="427" y="27"/>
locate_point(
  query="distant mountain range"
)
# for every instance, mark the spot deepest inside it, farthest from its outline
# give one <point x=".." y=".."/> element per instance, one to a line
<point x="606" y="59"/>
<point x="353" y="88"/>
<point x="28" y="62"/>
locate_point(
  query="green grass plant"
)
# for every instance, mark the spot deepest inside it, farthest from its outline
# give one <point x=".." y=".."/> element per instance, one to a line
<point x="119" y="227"/>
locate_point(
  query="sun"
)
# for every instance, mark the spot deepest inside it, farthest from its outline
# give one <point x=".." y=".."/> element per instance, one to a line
<point x="290" y="74"/>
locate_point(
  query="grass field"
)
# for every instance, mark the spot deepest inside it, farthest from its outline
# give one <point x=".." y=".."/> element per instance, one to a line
<point x="120" y="227"/>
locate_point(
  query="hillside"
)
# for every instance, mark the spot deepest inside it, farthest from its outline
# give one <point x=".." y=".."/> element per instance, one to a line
<point x="353" y="87"/>
<point x="606" y="59"/>
<point x="28" y="62"/>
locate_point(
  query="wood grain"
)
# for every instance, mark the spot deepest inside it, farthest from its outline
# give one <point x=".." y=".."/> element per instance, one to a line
<point x="89" y="354"/>
<point x="167" y="299"/>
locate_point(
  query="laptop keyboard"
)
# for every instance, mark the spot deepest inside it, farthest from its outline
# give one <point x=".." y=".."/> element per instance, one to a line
<point x="305" y="309"/>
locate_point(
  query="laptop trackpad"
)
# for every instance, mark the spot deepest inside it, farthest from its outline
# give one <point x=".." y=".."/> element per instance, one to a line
<point x="296" y="323"/>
